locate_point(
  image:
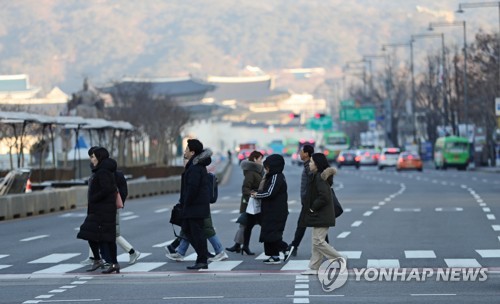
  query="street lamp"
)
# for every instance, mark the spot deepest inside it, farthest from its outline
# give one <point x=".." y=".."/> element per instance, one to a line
<point x="460" y="10"/>
<point x="409" y="44"/>
<point x="443" y="62"/>
<point x="463" y="24"/>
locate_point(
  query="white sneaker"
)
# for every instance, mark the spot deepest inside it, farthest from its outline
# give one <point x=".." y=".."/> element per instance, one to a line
<point x="175" y="256"/>
<point x="133" y="257"/>
<point x="309" y="272"/>
<point x="221" y="256"/>
<point x="88" y="261"/>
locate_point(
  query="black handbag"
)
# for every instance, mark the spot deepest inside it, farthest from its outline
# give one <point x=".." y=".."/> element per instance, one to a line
<point x="336" y="205"/>
<point x="176" y="215"/>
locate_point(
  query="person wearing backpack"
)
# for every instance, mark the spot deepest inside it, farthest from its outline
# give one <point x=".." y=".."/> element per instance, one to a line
<point x="121" y="184"/>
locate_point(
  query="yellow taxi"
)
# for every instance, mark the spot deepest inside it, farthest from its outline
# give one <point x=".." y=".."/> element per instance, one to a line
<point x="409" y="161"/>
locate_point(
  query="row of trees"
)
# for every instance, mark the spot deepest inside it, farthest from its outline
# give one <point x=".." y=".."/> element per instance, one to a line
<point x="439" y="91"/>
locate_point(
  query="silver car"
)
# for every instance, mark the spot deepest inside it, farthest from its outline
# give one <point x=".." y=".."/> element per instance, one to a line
<point x="388" y="158"/>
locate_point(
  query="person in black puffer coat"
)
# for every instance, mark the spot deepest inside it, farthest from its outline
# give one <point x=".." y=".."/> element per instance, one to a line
<point x="99" y="227"/>
<point x="274" y="209"/>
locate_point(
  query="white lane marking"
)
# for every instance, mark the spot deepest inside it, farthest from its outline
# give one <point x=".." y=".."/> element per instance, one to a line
<point x="292" y="202"/>
<point x="296" y="265"/>
<point x="301" y="286"/>
<point x="420" y="254"/>
<point x="301" y="301"/>
<point x="462" y="263"/>
<point x="129" y="217"/>
<point x="5" y="266"/>
<point x="343" y="235"/>
<point x="143" y="267"/>
<point x="376" y="207"/>
<point x="55" y="258"/>
<point x="301" y="293"/>
<point x="489" y="253"/>
<point x="491" y="217"/>
<point x="80" y="282"/>
<point x="383" y="263"/>
<point x="381" y="203"/>
<point x="161" y="210"/>
<point x="67" y="286"/>
<point x="356" y="223"/>
<point x="44" y="296"/>
<point x="201" y="297"/>
<point x="57" y="290"/>
<point x="486" y="209"/>
<point x="125" y="257"/>
<point x="235" y="211"/>
<point x="495" y="227"/>
<point x="432" y="294"/>
<point x="125" y="213"/>
<point x="226" y="197"/>
<point x="351" y="254"/>
<point x="3" y="255"/>
<point x="367" y="213"/>
<point x="222" y="266"/>
<point x="61" y="268"/>
<point x="407" y="209"/>
<point x="347" y="210"/>
<point x="482" y="205"/>
<point x="34" y="238"/>
<point x="163" y="244"/>
<point x="191" y="257"/>
<point x="449" y="209"/>
<point x="216" y="211"/>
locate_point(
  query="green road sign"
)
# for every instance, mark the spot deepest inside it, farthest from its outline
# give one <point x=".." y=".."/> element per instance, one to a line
<point x="357" y="114"/>
<point x="323" y="123"/>
<point x="348" y="103"/>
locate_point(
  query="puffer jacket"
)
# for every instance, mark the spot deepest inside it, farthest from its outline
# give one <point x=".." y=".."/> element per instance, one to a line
<point x="100" y="223"/>
<point x="195" y="192"/>
<point x="253" y="173"/>
<point x="319" y="200"/>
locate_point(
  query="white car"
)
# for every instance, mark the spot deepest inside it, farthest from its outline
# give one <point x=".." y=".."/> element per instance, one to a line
<point x="388" y="158"/>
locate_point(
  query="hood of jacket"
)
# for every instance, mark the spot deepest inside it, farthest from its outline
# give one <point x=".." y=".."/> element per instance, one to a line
<point x="107" y="164"/>
<point x="276" y="164"/>
<point x="248" y="165"/>
<point x="328" y="174"/>
<point x="204" y="158"/>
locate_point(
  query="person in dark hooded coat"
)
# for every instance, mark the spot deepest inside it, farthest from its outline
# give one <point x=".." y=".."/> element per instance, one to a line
<point x="274" y="209"/>
<point x="99" y="227"/>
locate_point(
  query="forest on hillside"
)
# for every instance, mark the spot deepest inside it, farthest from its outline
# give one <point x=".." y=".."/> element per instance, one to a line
<point x="59" y="42"/>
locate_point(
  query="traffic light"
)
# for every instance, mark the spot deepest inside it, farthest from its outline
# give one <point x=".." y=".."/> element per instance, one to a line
<point x="319" y="115"/>
<point x="294" y="115"/>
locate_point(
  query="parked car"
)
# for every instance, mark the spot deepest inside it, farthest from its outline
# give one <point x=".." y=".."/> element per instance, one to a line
<point x="368" y="157"/>
<point x="388" y="158"/>
<point x="409" y="161"/>
<point x="348" y="158"/>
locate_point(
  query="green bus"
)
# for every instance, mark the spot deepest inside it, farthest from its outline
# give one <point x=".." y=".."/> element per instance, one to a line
<point x="334" y="142"/>
<point x="451" y="151"/>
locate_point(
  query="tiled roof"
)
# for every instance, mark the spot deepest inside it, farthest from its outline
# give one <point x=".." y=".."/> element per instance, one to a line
<point x="243" y="88"/>
<point x="173" y="86"/>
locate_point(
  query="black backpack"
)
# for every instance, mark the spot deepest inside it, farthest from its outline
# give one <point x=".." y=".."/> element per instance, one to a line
<point x="213" y="187"/>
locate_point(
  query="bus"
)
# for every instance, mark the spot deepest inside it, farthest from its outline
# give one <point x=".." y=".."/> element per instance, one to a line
<point x="334" y="142"/>
<point x="451" y="151"/>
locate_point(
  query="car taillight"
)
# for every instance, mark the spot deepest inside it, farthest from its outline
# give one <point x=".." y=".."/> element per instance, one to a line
<point x="241" y="156"/>
<point x="357" y="158"/>
<point x="341" y="158"/>
<point x="410" y="157"/>
<point x="382" y="157"/>
<point x="326" y="152"/>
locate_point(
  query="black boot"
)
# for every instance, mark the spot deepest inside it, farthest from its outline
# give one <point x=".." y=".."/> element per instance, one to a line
<point x="246" y="250"/>
<point x="236" y="248"/>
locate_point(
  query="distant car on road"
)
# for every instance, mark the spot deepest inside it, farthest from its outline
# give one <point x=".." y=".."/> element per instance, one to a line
<point x="368" y="157"/>
<point x="409" y="161"/>
<point x="348" y="158"/>
<point x="388" y="158"/>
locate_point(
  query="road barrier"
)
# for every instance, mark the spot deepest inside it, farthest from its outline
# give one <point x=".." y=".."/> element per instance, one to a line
<point x="22" y="205"/>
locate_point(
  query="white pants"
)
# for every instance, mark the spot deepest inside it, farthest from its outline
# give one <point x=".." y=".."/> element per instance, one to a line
<point x="320" y="248"/>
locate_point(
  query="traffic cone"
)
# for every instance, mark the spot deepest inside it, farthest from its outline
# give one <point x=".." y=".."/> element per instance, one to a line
<point x="28" y="186"/>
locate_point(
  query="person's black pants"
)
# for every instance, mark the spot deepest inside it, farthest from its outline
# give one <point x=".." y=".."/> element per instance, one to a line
<point x="193" y="228"/>
<point x="274" y="248"/>
<point x="252" y="220"/>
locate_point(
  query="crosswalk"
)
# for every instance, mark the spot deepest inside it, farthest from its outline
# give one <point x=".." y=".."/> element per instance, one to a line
<point x="62" y="263"/>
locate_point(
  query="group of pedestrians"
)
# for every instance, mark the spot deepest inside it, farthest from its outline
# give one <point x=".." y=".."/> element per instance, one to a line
<point x="263" y="181"/>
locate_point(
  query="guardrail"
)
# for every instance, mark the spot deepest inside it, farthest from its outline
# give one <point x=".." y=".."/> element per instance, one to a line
<point x="15" y="206"/>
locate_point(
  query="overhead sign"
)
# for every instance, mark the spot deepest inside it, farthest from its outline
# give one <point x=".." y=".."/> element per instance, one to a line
<point x="323" y="123"/>
<point x="357" y="114"/>
<point x="348" y="103"/>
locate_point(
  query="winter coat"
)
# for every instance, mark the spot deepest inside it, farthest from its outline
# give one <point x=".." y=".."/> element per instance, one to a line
<point x="319" y="200"/>
<point x="274" y="200"/>
<point x="253" y="175"/>
<point x="100" y="223"/>
<point x="195" y="192"/>
<point x="304" y="180"/>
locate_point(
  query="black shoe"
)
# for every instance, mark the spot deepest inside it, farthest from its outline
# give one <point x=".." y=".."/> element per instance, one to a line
<point x="198" y="266"/>
<point x="210" y="255"/>
<point x="246" y="250"/>
<point x="96" y="264"/>
<point x="170" y="249"/>
<point x="236" y="248"/>
<point x="112" y="268"/>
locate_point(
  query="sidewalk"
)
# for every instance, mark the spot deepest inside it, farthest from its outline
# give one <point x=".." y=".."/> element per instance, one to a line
<point x="486" y="169"/>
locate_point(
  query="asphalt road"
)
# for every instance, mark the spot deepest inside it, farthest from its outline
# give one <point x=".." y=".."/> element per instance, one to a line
<point x="444" y="222"/>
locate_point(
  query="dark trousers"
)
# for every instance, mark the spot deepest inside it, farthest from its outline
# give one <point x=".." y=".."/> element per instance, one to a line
<point x="274" y="248"/>
<point x="108" y="251"/>
<point x="193" y="228"/>
<point x="252" y="220"/>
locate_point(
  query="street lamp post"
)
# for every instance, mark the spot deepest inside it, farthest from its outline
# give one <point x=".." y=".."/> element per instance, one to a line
<point x="461" y="7"/>
<point x="433" y="25"/>
<point x="409" y="44"/>
<point x="443" y="62"/>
